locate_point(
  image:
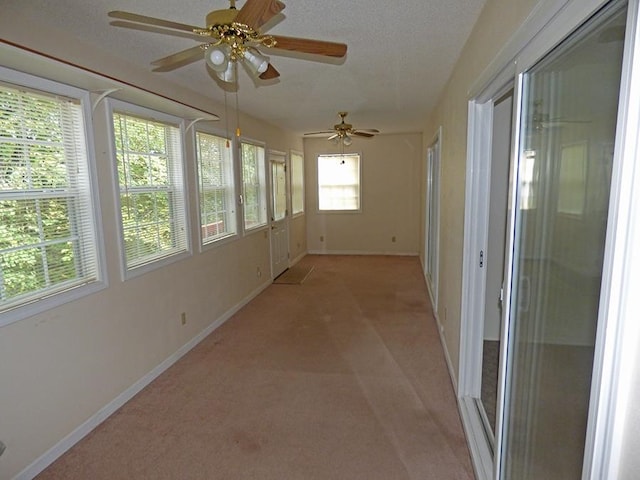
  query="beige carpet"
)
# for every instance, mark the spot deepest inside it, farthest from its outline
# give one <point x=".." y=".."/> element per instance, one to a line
<point x="341" y="378"/>
<point x="294" y="275"/>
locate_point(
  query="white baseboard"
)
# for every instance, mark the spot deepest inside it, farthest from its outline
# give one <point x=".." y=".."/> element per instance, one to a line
<point x="297" y="259"/>
<point x="101" y="415"/>
<point x="447" y="356"/>
<point x="358" y="252"/>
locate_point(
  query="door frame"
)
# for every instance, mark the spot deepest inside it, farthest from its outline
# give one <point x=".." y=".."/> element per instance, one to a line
<point x="615" y="344"/>
<point x="477" y="209"/>
<point x="275" y="156"/>
<point x="433" y="195"/>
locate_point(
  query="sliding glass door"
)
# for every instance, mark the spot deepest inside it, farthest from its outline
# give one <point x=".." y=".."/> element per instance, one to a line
<point x="568" y="124"/>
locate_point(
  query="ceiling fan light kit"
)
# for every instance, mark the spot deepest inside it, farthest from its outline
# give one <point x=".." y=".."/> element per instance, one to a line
<point x="233" y="45"/>
<point x="346" y="140"/>
<point x="231" y="36"/>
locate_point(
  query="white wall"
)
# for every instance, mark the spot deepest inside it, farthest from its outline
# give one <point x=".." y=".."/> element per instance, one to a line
<point x="60" y="367"/>
<point x="390" y="202"/>
<point x="497" y="22"/>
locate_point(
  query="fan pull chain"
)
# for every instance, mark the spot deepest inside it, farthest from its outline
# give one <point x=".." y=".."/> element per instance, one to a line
<point x="238" y="133"/>
<point x="226" y="118"/>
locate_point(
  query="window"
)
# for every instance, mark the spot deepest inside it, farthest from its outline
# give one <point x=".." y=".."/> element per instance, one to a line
<point x="572" y="190"/>
<point x="48" y="241"/>
<point x="339" y="182"/>
<point x="254" y="192"/>
<point x="216" y="187"/>
<point x="297" y="183"/>
<point x="150" y="178"/>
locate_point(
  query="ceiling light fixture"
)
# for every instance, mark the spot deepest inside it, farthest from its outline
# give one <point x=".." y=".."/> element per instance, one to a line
<point x="234" y="44"/>
<point x="341" y="138"/>
<point x="344" y="132"/>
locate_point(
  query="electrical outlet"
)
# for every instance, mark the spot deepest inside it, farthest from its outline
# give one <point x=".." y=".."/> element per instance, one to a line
<point x="258" y="272"/>
<point x="183" y="318"/>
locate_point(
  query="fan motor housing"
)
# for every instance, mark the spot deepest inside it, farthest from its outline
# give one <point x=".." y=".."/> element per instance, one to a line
<point x="221" y="17"/>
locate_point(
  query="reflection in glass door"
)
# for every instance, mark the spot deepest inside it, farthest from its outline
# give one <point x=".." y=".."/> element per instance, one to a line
<point x="569" y="107"/>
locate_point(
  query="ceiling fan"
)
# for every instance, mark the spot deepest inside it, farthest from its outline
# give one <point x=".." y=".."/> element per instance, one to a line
<point x="342" y="132"/>
<point x="231" y="36"/>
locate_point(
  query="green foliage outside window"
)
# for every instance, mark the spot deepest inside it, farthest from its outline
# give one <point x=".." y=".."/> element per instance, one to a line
<point x="149" y="223"/>
<point x="38" y="193"/>
<point x="215" y="182"/>
<point x="253" y="185"/>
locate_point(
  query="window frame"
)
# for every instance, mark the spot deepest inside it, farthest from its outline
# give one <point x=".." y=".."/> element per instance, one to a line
<point x="115" y="106"/>
<point x="263" y="186"/>
<point x="232" y="195"/>
<point x="44" y="300"/>
<point x="359" y="186"/>
<point x="297" y="213"/>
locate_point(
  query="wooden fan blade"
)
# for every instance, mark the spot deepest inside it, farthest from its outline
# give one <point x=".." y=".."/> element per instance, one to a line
<point x="362" y="134"/>
<point x="305" y="45"/>
<point x="178" y="59"/>
<point x="255" y="13"/>
<point x="335" y="135"/>
<point x="153" y="29"/>
<point x="370" y="130"/>
<point x="134" y="17"/>
<point x="270" y="73"/>
<point x="327" y="132"/>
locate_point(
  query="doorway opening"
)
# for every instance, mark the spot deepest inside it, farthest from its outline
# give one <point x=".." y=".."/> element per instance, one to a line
<point x="432" y="220"/>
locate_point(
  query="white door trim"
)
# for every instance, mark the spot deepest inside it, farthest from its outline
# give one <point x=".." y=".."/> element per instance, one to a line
<point x="616" y="359"/>
<point x="549" y="22"/>
<point x="432" y="248"/>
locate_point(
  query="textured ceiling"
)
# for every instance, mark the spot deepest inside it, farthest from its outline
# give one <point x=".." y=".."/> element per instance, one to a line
<point x="400" y="54"/>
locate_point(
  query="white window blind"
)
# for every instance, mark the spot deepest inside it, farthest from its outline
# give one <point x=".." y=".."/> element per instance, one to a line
<point x="47" y="224"/>
<point x="216" y="187"/>
<point x="254" y="188"/>
<point x="339" y="182"/>
<point x="297" y="183"/>
<point x="152" y="196"/>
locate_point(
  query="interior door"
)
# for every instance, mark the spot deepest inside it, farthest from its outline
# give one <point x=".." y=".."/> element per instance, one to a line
<point x="568" y="123"/>
<point x="279" y="217"/>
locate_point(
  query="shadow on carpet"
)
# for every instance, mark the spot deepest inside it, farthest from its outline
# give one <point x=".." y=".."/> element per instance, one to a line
<point x="294" y="275"/>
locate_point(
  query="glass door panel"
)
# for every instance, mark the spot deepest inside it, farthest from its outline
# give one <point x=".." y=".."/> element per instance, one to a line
<point x="279" y="189"/>
<point x="568" y="127"/>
